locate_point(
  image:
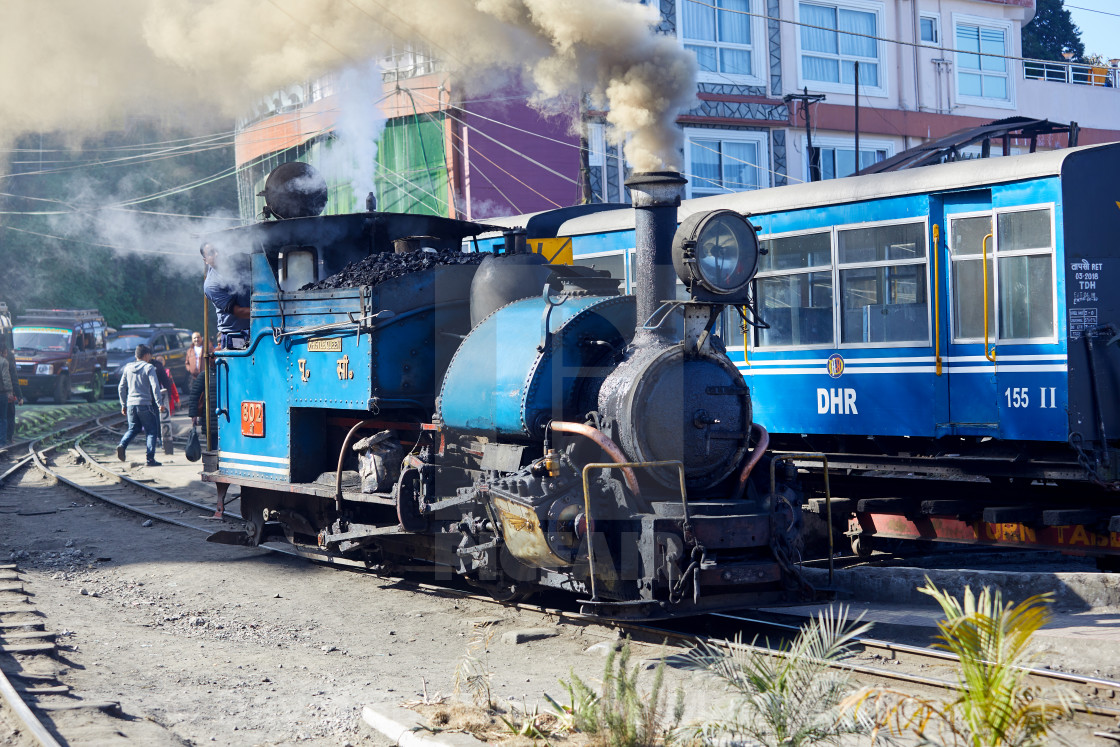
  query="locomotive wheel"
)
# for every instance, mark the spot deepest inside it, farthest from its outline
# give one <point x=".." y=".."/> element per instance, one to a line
<point x="96" y="386"/>
<point x="62" y="390"/>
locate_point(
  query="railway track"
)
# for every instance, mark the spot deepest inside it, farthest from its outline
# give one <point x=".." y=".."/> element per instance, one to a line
<point x="30" y="655"/>
<point x="1099" y="698"/>
<point x="80" y="466"/>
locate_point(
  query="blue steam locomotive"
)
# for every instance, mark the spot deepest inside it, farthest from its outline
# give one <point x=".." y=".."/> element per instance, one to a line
<point x="950" y="327"/>
<point x="398" y="401"/>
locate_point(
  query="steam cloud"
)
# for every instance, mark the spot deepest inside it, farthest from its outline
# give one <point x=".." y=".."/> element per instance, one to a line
<point x="71" y="63"/>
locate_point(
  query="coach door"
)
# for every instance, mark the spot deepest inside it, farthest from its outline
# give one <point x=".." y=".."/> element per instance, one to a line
<point x="968" y="249"/>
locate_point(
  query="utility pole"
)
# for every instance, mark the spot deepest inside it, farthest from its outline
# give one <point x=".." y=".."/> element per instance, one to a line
<point x="857" y="122"/>
<point x="807" y="98"/>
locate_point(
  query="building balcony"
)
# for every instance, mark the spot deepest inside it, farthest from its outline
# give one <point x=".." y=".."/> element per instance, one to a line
<point x="1072" y="73"/>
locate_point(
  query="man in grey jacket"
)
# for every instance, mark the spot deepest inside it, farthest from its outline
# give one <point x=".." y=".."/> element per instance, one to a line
<point x="139" y="393"/>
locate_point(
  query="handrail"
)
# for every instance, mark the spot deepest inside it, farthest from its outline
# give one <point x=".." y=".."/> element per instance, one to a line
<point x="587" y="504"/>
<point x="936" y="300"/>
<point x="219" y="410"/>
<point x="984" y="259"/>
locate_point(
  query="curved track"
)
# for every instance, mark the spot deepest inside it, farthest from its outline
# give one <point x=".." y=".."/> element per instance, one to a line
<point x="28" y="685"/>
<point x="80" y="468"/>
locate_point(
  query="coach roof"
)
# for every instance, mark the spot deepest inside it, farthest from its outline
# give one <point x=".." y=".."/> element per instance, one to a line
<point x="944" y="177"/>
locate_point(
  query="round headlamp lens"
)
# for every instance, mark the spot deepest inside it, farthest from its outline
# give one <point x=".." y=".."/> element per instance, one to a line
<point x="716" y="250"/>
<point x="726" y="253"/>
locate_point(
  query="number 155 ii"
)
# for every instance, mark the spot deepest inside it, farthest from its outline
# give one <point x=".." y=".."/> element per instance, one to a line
<point x="1018" y="397"/>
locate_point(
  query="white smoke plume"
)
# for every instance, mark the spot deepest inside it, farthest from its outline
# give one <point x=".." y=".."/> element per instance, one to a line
<point x="357" y="128"/>
<point x="71" y="63"/>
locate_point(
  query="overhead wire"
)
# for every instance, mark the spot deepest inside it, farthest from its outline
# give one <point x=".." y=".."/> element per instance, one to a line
<point x="115" y="247"/>
<point x="481" y="172"/>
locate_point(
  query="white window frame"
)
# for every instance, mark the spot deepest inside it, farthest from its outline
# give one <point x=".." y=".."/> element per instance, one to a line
<point x="623" y="254"/>
<point x="936" y="18"/>
<point x="837" y="268"/>
<point x="961" y="19"/>
<point x="993" y="250"/>
<point x="759" y="48"/>
<point x="834" y="270"/>
<point x="830" y="269"/>
<point x="832" y="141"/>
<point x="882" y="53"/>
<point x="596" y="144"/>
<point x="761" y="138"/>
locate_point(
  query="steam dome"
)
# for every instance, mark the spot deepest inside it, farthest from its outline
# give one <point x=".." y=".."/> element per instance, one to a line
<point x="294" y="190"/>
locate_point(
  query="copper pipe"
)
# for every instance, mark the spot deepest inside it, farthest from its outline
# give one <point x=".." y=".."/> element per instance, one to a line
<point x="341" y="456"/>
<point x="759" y="450"/>
<point x="605" y="444"/>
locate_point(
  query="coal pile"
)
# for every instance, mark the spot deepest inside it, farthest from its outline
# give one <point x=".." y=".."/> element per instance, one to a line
<point x="377" y="268"/>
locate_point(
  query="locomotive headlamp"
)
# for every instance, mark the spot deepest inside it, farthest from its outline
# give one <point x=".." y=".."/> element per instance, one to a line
<point x="717" y="252"/>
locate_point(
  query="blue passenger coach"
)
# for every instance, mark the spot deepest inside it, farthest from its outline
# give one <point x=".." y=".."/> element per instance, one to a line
<point x="955" y="317"/>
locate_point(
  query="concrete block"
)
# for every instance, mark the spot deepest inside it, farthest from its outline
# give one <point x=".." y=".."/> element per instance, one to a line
<point x="529" y="634"/>
<point x="408" y="729"/>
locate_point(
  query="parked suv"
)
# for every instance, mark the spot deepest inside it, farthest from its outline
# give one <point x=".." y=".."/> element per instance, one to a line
<point x="60" y="351"/>
<point x="166" y="341"/>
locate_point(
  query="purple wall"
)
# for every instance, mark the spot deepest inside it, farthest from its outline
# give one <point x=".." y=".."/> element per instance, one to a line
<point x="517" y="126"/>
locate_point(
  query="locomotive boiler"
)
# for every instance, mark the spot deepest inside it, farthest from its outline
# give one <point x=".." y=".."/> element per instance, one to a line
<point x="415" y="393"/>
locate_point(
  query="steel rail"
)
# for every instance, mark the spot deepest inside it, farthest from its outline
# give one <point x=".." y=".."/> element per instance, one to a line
<point x="1091" y="686"/>
<point x="1087" y="685"/>
<point x="27" y="718"/>
<point x="97" y="465"/>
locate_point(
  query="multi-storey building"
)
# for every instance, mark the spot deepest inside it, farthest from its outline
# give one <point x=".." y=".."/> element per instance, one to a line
<point x="925" y="68"/>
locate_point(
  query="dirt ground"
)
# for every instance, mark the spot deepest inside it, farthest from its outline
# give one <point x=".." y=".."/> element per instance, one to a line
<point x="209" y="643"/>
<point x="245" y="647"/>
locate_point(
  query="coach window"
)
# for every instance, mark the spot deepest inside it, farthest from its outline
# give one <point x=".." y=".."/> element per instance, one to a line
<point x="794" y="291"/>
<point x="614" y="263"/>
<point x="883" y="284"/>
<point x="1025" y="273"/>
<point x="966" y="241"/>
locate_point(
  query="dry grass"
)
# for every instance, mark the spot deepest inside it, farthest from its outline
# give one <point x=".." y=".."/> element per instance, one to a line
<point x="488" y="726"/>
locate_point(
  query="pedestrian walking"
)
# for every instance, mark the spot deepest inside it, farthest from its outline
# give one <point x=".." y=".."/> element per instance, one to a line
<point x="139" y="394"/>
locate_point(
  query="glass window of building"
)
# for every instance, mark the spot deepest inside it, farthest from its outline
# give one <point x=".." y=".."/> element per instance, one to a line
<point x="834" y="37"/>
<point x="722" y="35"/>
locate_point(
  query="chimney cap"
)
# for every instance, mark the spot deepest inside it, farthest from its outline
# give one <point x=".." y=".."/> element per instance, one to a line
<point x="641" y="178"/>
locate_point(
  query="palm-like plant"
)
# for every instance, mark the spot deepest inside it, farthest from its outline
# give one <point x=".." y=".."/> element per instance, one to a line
<point x="995" y="705"/>
<point x="791" y="698"/>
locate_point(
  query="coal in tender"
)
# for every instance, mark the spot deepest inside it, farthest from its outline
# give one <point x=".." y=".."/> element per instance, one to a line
<point x="377" y="268"/>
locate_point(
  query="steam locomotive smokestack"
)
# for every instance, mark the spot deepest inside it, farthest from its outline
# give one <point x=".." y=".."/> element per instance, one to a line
<point x="657" y="195"/>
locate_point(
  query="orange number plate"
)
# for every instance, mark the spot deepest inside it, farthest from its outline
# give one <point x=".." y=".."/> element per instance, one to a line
<point x="252" y="419"/>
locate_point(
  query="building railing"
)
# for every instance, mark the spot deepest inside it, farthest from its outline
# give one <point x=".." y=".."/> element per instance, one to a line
<point x="1071" y="72"/>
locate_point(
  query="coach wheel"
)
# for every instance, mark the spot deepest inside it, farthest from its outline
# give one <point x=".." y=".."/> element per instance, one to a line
<point x="95" y="388"/>
<point x="62" y="390"/>
<point x="861" y="546"/>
